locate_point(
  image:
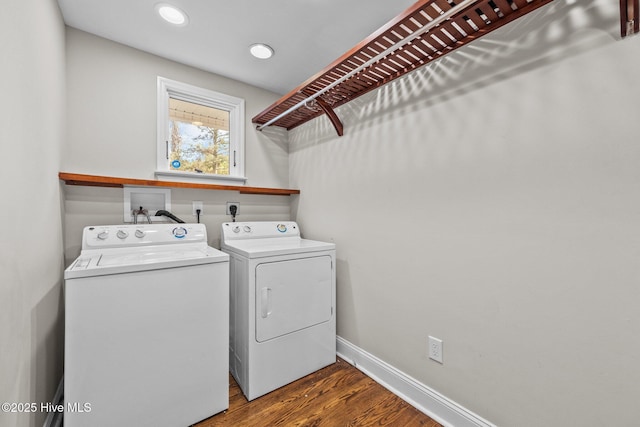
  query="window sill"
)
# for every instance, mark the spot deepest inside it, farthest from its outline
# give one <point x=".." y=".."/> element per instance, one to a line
<point x="108" y="181"/>
<point x="200" y="178"/>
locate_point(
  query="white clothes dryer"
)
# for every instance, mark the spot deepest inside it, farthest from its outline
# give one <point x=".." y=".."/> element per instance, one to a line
<point x="146" y="327"/>
<point x="282" y="304"/>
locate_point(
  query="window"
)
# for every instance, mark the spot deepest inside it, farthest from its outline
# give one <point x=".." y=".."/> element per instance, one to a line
<point x="200" y="133"/>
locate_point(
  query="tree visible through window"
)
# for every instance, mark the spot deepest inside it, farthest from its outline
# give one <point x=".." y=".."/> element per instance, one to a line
<point x="200" y="133"/>
<point x="199" y="138"/>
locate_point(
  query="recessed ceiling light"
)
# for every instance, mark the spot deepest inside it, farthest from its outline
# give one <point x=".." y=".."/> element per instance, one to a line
<point x="261" y="51"/>
<point x="172" y="14"/>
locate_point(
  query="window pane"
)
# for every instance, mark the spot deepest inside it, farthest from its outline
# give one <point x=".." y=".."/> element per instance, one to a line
<point x="199" y="138"/>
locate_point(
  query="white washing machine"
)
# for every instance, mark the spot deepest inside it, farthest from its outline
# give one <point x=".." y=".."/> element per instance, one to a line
<point x="282" y="304"/>
<point x="146" y="327"/>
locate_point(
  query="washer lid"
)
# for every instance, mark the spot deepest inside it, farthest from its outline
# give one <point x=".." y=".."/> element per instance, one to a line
<point x="258" y="248"/>
<point x="116" y="261"/>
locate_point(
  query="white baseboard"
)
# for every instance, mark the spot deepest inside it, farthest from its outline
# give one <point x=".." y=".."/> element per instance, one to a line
<point x="440" y="408"/>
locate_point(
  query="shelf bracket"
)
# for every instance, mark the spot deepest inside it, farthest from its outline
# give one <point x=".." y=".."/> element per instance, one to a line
<point x="333" y="117"/>
<point x="629" y="17"/>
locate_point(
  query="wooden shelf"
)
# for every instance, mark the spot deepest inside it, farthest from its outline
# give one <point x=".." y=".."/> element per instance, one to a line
<point x="109" y="181"/>
<point x="412" y="39"/>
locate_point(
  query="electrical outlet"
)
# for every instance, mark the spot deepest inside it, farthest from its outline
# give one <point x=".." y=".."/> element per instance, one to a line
<point x="197" y="204"/>
<point x="236" y="204"/>
<point x="435" y="349"/>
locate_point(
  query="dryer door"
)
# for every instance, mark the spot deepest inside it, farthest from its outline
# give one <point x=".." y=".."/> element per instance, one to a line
<point x="292" y="295"/>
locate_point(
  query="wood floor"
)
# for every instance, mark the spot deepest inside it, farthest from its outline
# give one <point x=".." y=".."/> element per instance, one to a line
<point x="338" y="395"/>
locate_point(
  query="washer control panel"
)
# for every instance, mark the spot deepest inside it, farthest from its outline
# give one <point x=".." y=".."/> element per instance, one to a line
<point x="117" y="236"/>
<point x="256" y="230"/>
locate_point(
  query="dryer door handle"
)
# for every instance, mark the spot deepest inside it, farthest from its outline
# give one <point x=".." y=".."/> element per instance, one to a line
<point x="264" y="305"/>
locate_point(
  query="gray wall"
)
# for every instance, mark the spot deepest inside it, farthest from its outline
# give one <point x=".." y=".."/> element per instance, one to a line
<point x="32" y="83"/>
<point x="111" y="128"/>
<point x="492" y="200"/>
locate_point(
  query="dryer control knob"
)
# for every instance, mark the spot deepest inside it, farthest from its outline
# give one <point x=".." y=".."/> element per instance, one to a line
<point x="236" y="229"/>
<point x="140" y="234"/>
<point x="103" y="235"/>
<point x="247" y="229"/>
<point x="122" y="234"/>
<point x="180" y="232"/>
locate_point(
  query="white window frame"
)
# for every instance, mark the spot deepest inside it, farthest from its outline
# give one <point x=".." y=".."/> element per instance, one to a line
<point x="235" y="106"/>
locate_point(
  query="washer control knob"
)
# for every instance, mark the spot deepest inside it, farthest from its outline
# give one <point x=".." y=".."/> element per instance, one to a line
<point x="122" y="234"/>
<point x="140" y="234"/>
<point x="180" y="232"/>
<point x="247" y="229"/>
<point x="282" y="228"/>
<point x="103" y="235"/>
<point x="236" y="229"/>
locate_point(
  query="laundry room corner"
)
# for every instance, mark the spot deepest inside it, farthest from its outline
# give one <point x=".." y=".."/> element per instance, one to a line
<point x="320" y="213"/>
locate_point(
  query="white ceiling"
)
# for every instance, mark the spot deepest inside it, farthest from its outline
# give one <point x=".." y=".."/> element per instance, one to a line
<point x="307" y="35"/>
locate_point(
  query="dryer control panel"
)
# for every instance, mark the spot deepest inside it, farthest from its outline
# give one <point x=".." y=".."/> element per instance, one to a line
<point x="259" y="229"/>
